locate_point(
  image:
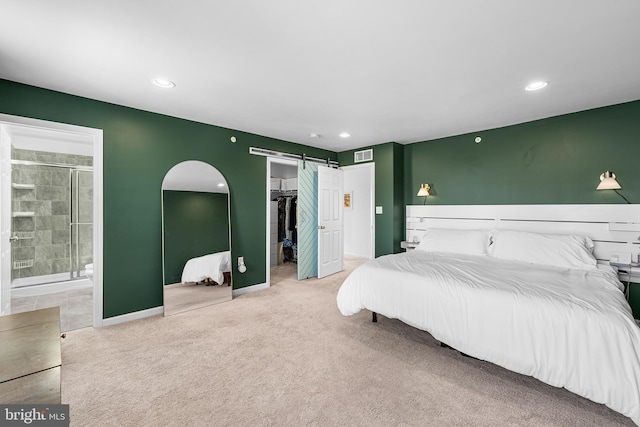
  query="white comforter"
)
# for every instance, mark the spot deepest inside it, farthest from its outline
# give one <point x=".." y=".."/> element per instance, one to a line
<point x="568" y="328"/>
<point x="207" y="266"/>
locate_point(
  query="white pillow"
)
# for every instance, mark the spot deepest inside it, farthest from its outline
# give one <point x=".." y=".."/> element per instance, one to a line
<point x="468" y="242"/>
<point x="560" y="250"/>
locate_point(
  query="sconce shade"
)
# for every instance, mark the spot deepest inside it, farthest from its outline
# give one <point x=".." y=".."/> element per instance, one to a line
<point x="424" y="190"/>
<point x="608" y="182"/>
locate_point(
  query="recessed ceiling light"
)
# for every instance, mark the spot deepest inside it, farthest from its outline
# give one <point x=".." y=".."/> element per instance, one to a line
<point x="220" y="185"/>
<point x="345" y="135"/>
<point x="163" y="83"/>
<point x="314" y="135"/>
<point x="536" y="85"/>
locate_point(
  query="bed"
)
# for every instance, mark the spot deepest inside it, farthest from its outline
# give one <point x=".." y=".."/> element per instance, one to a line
<point x="526" y="292"/>
<point x="214" y="267"/>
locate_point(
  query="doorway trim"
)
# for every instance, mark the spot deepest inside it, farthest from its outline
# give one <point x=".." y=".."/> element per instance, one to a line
<point x="271" y="160"/>
<point x="372" y="210"/>
<point x="96" y="136"/>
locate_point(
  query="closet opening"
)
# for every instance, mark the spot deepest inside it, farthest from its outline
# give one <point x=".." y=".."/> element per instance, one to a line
<point x="310" y="226"/>
<point x="282" y="217"/>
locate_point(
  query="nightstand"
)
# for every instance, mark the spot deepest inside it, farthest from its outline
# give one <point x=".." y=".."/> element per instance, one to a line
<point x="625" y="274"/>
<point x="408" y="246"/>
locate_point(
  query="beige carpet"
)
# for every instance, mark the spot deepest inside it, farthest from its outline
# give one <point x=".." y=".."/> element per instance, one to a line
<point x="285" y="356"/>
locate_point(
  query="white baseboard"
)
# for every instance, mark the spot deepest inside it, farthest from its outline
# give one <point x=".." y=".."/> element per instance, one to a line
<point x="110" y="321"/>
<point x="252" y="288"/>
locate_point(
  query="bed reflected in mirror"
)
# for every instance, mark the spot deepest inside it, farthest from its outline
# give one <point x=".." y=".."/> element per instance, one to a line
<point x="196" y="238"/>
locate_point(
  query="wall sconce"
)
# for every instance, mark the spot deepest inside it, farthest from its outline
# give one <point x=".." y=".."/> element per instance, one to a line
<point x="424" y="191"/>
<point x="608" y="182"/>
<point x="241" y="267"/>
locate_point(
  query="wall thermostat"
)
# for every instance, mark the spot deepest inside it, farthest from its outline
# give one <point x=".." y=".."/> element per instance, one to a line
<point x="478" y="139"/>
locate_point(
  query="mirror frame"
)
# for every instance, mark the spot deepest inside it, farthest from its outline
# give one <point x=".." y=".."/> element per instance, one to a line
<point x="182" y="182"/>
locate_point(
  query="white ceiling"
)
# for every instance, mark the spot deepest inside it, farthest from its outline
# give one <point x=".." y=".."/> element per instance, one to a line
<point x="404" y="70"/>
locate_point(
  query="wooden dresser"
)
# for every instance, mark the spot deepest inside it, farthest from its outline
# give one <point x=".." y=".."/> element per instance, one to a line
<point x="30" y="358"/>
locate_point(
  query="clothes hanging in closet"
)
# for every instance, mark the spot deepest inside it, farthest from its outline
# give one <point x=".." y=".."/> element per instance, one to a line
<point x="293" y="220"/>
<point x="287" y="218"/>
<point x="281" y="218"/>
<point x="287" y="214"/>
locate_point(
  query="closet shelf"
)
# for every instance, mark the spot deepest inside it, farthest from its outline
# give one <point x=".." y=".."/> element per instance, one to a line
<point x="23" y="186"/>
<point x="23" y="214"/>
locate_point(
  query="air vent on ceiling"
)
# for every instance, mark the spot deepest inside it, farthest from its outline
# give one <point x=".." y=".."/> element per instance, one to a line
<point x="363" y="156"/>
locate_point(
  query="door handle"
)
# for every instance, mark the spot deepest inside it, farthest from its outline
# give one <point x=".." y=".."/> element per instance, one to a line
<point x="13" y="239"/>
<point x="321" y="227"/>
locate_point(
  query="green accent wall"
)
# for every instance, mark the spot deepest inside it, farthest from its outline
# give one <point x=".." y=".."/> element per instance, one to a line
<point x="554" y="160"/>
<point x="139" y="149"/>
<point x="634" y="299"/>
<point x="195" y="224"/>
<point x="389" y="175"/>
<point x="399" y="204"/>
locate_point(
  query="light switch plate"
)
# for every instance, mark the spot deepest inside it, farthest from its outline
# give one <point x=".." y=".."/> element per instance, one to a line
<point x="378" y="210"/>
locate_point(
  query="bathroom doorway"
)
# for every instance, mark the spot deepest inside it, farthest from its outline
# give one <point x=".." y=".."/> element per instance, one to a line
<point x="50" y="212"/>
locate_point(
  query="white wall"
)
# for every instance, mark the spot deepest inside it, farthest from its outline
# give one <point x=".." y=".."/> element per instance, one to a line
<point x="279" y="170"/>
<point x="359" y="220"/>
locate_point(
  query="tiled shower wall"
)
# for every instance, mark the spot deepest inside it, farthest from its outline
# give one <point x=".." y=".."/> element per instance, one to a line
<point x="47" y="245"/>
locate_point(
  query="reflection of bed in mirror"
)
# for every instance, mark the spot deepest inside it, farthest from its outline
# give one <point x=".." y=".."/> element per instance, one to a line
<point x="212" y="269"/>
<point x="196" y="244"/>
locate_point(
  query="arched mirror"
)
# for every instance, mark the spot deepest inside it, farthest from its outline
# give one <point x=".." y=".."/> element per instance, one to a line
<point x="196" y="237"/>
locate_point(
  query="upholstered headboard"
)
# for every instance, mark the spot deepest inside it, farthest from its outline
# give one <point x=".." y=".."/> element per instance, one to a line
<point x="612" y="227"/>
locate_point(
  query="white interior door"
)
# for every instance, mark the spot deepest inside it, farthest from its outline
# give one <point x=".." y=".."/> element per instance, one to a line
<point x="5" y="222"/>
<point x="330" y="221"/>
<point x="359" y="217"/>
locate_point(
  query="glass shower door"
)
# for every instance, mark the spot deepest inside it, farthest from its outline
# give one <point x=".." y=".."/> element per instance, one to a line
<point x="81" y="228"/>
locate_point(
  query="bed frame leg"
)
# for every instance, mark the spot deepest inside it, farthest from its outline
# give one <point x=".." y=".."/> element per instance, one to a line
<point x="374" y="317"/>
<point x="464" y="354"/>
